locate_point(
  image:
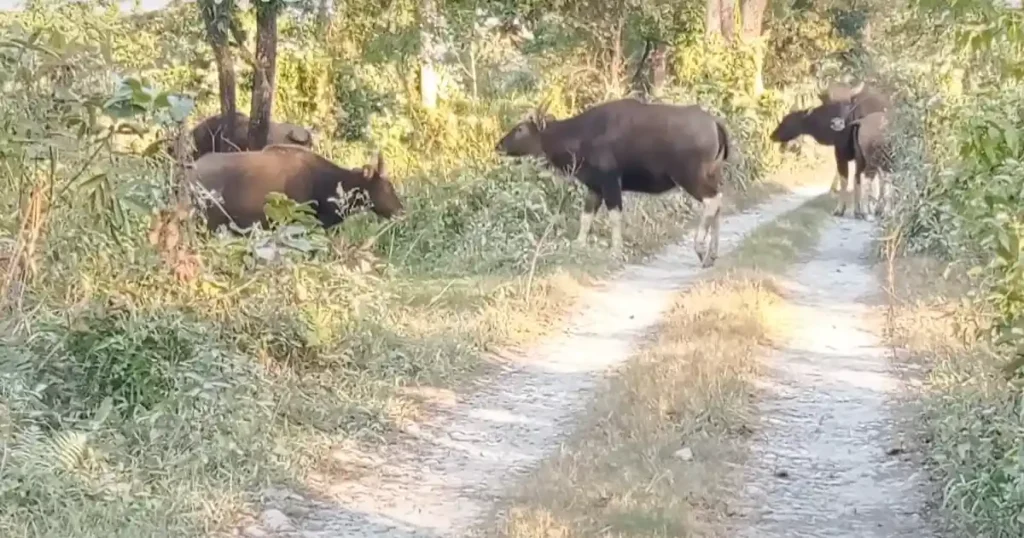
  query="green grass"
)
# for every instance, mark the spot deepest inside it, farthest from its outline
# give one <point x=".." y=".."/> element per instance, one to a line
<point x="967" y="420"/>
<point x="141" y="397"/>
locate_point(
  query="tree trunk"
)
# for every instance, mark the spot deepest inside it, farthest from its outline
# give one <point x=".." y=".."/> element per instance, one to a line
<point x="228" y="99"/>
<point x="728" y="8"/>
<point x="323" y="13"/>
<point x="659" y="68"/>
<point x="713" y="18"/>
<point x="753" y="18"/>
<point x="428" y="74"/>
<point x="263" y="77"/>
<point x="753" y="27"/>
<point x="215" y="18"/>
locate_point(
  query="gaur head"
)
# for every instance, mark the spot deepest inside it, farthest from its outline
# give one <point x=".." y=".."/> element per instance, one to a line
<point x="383" y="198"/>
<point x="524" y="139"/>
<point x="821" y="122"/>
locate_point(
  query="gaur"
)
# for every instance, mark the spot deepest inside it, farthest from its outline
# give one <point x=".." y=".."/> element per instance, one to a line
<point x="628" y="145"/>
<point x="828" y="124"/>
<point x="207" y="135"/>
<point x="873" y="154"/>
<point x="242" y="181"/>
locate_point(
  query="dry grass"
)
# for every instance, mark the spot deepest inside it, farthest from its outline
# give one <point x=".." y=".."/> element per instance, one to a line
<point x="658" y="451"/>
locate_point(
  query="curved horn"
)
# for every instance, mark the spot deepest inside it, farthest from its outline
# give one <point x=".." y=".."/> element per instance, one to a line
<point x="382" y="170"/>
<point x="857" y="89"/>
<point x="542" y="108"/>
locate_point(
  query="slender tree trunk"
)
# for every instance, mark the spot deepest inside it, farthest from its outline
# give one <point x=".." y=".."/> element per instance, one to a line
<point x="728" y="14"/>
<point x="323" y="13"/>
<point x="264" y="75"/>
<point x="472" y="69"/>
<point x="226" y="85"/>
<point x="753" y="27"/>
<point x="215" y="18"/>
<point x="659" y="68"/>
<point x="428" y="74"/>
<point x="713" y="18"/>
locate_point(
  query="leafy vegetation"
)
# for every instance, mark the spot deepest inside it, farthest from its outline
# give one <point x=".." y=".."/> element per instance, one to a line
<point x="956" y="67"/>
<point x="152" y="378"/>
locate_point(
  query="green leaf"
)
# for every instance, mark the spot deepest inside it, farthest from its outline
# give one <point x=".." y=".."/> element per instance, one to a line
<point x="181" y="108"/>
<point x="106" y="406"/>
<point x="154" y="148"/>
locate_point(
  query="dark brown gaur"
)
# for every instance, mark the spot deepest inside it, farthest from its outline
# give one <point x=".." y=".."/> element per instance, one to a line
<point x="874" y="156"/>
<point x="627" y="145"/>
<point x="828" y="124"/>
<point x="241" y="181"/>
<point x="207" y="139"/>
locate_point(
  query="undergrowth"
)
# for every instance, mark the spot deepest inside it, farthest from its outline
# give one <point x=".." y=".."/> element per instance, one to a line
<point x="958" y="136"/>
<point x="152" y="378"/>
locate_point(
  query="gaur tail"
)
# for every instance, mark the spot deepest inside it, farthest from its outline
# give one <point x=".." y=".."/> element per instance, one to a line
<point x="723" y="142"/>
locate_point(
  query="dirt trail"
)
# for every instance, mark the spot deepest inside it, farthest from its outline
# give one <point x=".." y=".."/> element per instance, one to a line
<point x="822" y="463"/>
<point x="450" y="471"/>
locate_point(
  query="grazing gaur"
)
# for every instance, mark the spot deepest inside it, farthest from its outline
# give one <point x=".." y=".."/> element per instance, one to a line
<point x="207" y="139"/>
<point x="873" y="155"/>
<point x="242" y="180"/>
<point x="828" y="124"/>
<point x="627" y="145"/>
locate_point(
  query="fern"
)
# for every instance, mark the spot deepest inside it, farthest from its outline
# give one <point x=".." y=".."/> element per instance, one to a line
<point x="70" y="449"/>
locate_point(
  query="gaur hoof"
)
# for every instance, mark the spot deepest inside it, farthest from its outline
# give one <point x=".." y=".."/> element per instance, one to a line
<point x="859" y="215"/>
<point x="839" y="211"/>
<point x="707" y="262"/>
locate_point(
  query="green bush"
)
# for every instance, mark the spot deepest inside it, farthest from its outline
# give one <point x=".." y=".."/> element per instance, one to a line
<point x="98" y="409"/>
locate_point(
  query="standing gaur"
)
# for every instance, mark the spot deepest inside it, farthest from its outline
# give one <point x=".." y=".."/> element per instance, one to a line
<point x="207" y="139"/>
<point x="830" y="125"/>
<point x="241" y="182"/>
<point x="627" y="145"/>
<point x="874" y="154"/>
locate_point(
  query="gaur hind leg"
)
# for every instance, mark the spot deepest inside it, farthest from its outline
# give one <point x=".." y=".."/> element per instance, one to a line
<point x="842" y="173"/>
<point x="859" y="177"/>
<point x="591" y="203"/>
<point x="884" y="192"/>
<point x="705" y="239"/>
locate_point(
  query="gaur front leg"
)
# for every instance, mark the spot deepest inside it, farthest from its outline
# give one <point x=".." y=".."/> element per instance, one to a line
<point x="612" y="191"/>
<point x="842" y="170"/>
<point x="591" y="203"/>
<point x="836" y="180"/>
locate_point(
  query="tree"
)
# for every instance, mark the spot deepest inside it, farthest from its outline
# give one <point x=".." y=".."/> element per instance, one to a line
<point x="264" y="72"/>
<point x="713" y="18"/>
<point x="728" y="15"/>
<point x="220" y="20"/>
<point x="752" y="12"/>
<point x="428" y="74"/>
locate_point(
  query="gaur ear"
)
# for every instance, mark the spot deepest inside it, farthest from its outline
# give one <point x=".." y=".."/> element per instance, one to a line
<point x="298" y="135"/>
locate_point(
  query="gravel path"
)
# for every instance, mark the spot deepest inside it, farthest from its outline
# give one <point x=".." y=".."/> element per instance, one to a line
<point x="451" y="470"/>
<point x="825" y="462"/>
